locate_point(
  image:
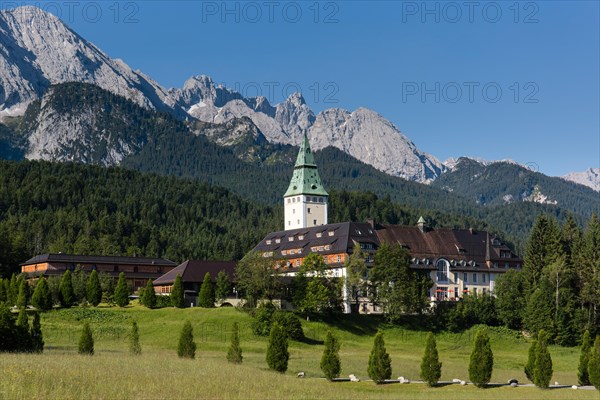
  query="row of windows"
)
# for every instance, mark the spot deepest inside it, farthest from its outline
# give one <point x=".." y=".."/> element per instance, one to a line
<point x="314" y="249"/>
<point x="442" y="293"/>
<point x="308" y="198"/>
<point x="291" y="251"/>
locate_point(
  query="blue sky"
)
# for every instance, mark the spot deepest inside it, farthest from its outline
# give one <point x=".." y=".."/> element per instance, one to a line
<point x="498" y="80"/>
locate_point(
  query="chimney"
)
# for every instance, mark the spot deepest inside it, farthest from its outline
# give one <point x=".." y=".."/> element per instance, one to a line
<point x="371" y="222"/>
<point x="422" y="224"/>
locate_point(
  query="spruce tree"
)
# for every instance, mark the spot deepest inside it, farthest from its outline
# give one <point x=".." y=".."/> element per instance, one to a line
<point x="86" y="341"/>
<point x="177" y="298"/>
<point x="121" y="296"/>
<point x="542" y="372"/>
<point x="134" y="340"/>
<point x="23" y="336"/>
<point x="482" y="360"/>
<point x="530" y="365"/>
<point x="37" y="340"/>
<point x="186" y="348"/>
<point x="431" y="368"/>
<point x="149" y="296"/>
<point x="93" y="289"/>
<point x="206" y="297"/>
<point x="65" y="294"/>
<point x="380" y="363"/>
<point x="582" y="371"/>
<point x="234" y="353"/>
<point x="277" y="350"/>
<point x="42" y="297"/>
<point x="594" y="364"/>
<point x="223" y="286"/>
<point x="330" y="361"/>
<point x="13" y="291"/>
<point x="23" y="297"/>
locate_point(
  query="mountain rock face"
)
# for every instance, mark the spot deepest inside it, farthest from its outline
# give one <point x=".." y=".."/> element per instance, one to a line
<point x="589" y="178"/>
<point x="363" y="134"/>
<point x="37" y="50"/>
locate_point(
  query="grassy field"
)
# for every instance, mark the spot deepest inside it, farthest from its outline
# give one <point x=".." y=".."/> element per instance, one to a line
<point x="112" y="373"/>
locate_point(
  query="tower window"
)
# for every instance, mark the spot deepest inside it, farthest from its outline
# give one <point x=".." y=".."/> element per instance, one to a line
<point x="289" y="200"/>
<point x="299" y="198"/>
<point x="315" y="223"/>
<point x="298" y="222"/>
<point x="320" y="199"/>
<point x="308" y="210"/>
<point x="294" y="200"/>
<point x="293" y="211"/>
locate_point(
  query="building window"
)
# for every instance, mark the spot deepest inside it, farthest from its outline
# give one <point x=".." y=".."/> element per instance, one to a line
<point x="442" y="270"/>
<point x="289" y="222"/>
<point x="483" y="278"/>
<point x="308" y="210"/>
<point x="293" y="211"/>
<point x="330" y="233"/>
<point x="456" y="293"/>
<point x="506" y="265"/>
<point x="277" y="240"/>
<point x="297" y="263"/>
<point x="298" y="222"/>
<point x="474" y="277"/>
<point x="300" y="237"/>
<point x="442" y="293"/>
<point x="299" y="199"/>
<point x="292" y="251"/>
<point x="269" y="241"/>
<point x="290" y="239"/>
<point x="288" y="200"/>
<point x="294" y="200"/>
<point x="328" y="247"/>
<point x="319" y="234"/>
<point x="339" y="258"/>
<point x="314" y="221"/>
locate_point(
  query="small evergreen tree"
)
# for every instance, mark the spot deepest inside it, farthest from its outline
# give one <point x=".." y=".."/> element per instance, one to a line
<point x="234" y="353"/>
<point x="149" y="296"/>
<point x="121" y="297"/>
<point x="206" y="297"/>
<point x="330" y="361"/>
<point x="177" y="298"/>
<point x="23" y="297"/>
<point x="482" y="360"/>
<point x="186" y="348"/>
<point x="594" y="364"/>
<point x="37" y="340"/>
<point x="3" y="293"/>
<point x="93" y="289"/>
<point x="13" y="290"/>
<point x="542" y="372"/>
<point x="86" y="341"/>
<point x="42" y="297"/>
<point x="582" y="371"/>
<point x="431" y="368"/>
<point x="65" y="294"/>
<point x="380" y="363"/>
<point x="277" y="350"/>
<point x="530" y="366"/>
<point x="134" y="340"/>
<point x="223" y="286"/>
<point x="23" y="336"/>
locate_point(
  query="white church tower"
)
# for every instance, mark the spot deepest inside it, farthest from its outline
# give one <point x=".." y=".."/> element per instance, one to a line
<point x="305" y="202"/>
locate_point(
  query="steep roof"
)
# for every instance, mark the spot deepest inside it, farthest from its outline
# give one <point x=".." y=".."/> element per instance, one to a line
<point x="193" y="271"/>
<point x="305" y="179"/>
<point x="86" y="259"/>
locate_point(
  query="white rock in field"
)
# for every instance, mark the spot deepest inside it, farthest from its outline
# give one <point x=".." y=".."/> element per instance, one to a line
<point x="574" y="387"/>
<point x="463" y="383"/>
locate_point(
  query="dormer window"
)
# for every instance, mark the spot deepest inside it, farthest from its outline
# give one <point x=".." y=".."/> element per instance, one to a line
<point x="330" y="233"/>
<point x="319" y="234"/>
<point x="269" y="241"/>
<point x="300" y="237"/>
<point x="290" y="239"/>
<point x="277" y="240"/>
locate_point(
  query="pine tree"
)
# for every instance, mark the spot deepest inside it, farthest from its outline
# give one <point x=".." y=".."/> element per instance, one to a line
<point x="594" y="364"/>
<point x="23" y="336"/>
<point x="380" y="363"/>
<point x="542" y="249"/>
<point x="23" y="297"/>
<point x="582" y="371"/>
<point x="121" y="291"/>
<point x="206" y="297"/>
<point x="37" y="339"/>
<point x="542" y="372"/>
<point x="65" y="294"/>
<point x="177" y="298"/>
<point x="86" y="341"/>
<point x="149" y="296"/>
<point x="530" y="366"/>
<point x="186" y="348"/>
<point x="482" y="360"/>
<point x="13" y="290"/>
<point x="234" y="353"/>
<point x="134" y="340"/>
<point x="223" y="286"/>
<point x="42" y="298"/>
<point x="277" y="350"/>
<point x="93" y="289"/>
<point x="431" y="368"/>
<point x="330" y="361"/>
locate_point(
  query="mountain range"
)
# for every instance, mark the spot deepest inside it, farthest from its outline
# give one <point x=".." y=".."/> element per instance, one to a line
<point x="63" y="99"/>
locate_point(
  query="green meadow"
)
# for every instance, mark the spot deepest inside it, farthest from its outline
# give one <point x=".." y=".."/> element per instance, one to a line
<point x="60" y="373"/>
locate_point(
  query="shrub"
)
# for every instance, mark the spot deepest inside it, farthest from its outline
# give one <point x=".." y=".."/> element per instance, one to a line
<point x="431" y="368"/>
<point x="86" y="341"/>
<point x="186" y="348"/>
<point x="206" y="297"/>
<point x="134" y="340"/>
<point x="177" y="298"/>
<point x="583" y="377"/>
<point x="330" y="361"/>
<point x="42" y="298"/>
<point x="234" y="354"/>
<point x="290" y="324"/>
<point x="93" y="290"/>
<point x="482" y="360"/>
<point x="380" y="363"/>
<point x="164" y="300"/>
<point x="594" y="364"/>
<point x="277" y="350"/>
<point x="149" y="296"/>
<point x="542" y="372"/>
<point x="121" y="297"/>
<point x="263" y="318"/>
